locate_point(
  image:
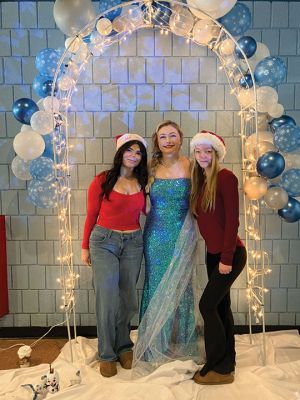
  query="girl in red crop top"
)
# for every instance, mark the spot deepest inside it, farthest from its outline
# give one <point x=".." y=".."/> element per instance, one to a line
<point x="215" y="204"/>
<point x="113" y="245"/>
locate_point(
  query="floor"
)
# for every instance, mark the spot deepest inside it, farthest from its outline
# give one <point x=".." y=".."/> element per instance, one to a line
<point x="278" y="378"/>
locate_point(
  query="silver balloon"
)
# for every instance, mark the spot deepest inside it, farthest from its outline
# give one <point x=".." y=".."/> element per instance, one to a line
<point x="73" y="15"/>
<point x="276" y="197"/>
<point x="20" y="168"/>
<point x="255" y="187"/>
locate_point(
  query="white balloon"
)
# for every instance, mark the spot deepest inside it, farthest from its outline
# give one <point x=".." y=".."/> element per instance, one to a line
<point x="276" y="110"/>
<point x="181" y="22"/>
<point x="119" y="24"/>
<point x="263" y="147"/>
<point x="81" y="54"/>
<point x="246" y="98"/>
<point x="261" y="52"/>
<point x="29" y="145"/>
<point x="104" y="26"/>
<point x="26" y="127"/>
<point x="227" y="47"/>
<point x="73" y="15"/>
<point x="204" y="31"/>
<point x="42" y="122"/>
<point x="266" y="96"/>
<point x="276" y="197"/>
<point x="65" y="82"/>
<point x="292" y="160"/>
<point x="214" y="8"/>
<point x="253" y="140"/>
<point x="262" y="121"/>
<point x="73" y="43"/>
<point x="51" y="104"/>
<point x="20" y="168"/>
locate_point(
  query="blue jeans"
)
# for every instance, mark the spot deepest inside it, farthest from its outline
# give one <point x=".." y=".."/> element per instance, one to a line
<point x="116" y="260"/>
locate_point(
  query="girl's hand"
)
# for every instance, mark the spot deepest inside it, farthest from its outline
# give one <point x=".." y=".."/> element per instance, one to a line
<point x="85" y="257"/>
<point x="224" y="269"/>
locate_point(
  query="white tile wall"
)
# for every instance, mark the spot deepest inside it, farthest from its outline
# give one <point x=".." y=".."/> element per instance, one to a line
<point x="133" y="87"/>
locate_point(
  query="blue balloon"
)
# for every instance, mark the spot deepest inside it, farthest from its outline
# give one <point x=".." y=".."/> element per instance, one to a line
<point x="246" y="81"/>
<point x="46" y="61"/>
<point x="23" y="109"/>
<point x="283" y="120"/>
<point x="287" y="138"/>
<point x="42" y="169"/>
<point x="60" y="145"/>
<point x="270" y="71"/>
<point x="248" y="45"/>
<point x="238" y="20"/>
<point x="291" y="212"/>
<point x="42" y="85"/>
<point x="270" y="164"/>
<point x="290" y="181"/>
<point x="42" y="194"/>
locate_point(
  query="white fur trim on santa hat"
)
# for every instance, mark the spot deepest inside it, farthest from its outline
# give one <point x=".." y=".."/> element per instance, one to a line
<point x="127" y="137"/>
<point x="211" y="138"/>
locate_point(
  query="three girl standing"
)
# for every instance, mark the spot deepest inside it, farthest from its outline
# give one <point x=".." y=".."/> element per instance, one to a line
<point x="170" y="254"/>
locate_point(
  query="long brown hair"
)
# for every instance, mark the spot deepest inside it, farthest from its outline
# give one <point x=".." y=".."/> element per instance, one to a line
<point x="204" y="185"/>
<point x="156" y="153"/>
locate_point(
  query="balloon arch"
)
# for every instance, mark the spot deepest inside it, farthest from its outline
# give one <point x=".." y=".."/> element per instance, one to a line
<point x="193" y="24"/>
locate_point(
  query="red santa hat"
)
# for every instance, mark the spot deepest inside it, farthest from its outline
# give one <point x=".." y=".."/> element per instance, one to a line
<point x="207" y="137"/>
<point x="127" y="137"/>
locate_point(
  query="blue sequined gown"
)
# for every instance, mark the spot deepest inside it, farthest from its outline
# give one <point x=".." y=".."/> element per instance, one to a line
<point x="169" y="207"/>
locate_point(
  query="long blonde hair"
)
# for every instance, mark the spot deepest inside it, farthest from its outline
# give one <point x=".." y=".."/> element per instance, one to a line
<point x="204" y="184"/>
<point x="156" y="153"/>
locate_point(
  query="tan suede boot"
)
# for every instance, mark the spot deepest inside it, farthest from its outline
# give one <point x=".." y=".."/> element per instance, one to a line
<point x="126" y="359"/>
<point x="108" y="368"/>
<point x="213" y="378"/>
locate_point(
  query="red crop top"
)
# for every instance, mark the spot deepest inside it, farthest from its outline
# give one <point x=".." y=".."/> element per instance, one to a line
<point x="121" y="212"/>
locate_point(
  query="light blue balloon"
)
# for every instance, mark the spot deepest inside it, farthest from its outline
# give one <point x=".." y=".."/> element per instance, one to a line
<point x="46" y="61"/>
<point x="42" y="194"/>
<point x="270" y="71"/>
<point x="290" y="212"/>
<point x="290" y="181"/>
<point x="238" y="20"/>
<point x="106" y="5"/>
<point x="42" y="169"/>
<point x="287" y="138"/>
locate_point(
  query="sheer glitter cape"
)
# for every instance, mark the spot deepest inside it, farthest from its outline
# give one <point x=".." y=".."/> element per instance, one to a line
<point x="160" y="340"/>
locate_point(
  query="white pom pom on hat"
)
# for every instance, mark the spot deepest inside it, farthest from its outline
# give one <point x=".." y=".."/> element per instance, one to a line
<point x="127" y="137"/>
<point x="207" y="137"/>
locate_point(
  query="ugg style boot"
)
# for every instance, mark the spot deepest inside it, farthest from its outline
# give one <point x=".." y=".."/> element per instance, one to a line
<point x="108" y="368"/>
<point x="126" y="359"/>
<point x="213" y="378"/>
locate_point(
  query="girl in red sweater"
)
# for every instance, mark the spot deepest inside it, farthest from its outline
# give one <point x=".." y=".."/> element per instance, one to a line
<point x="113" y="245"/>
<point x="215" y="203"/>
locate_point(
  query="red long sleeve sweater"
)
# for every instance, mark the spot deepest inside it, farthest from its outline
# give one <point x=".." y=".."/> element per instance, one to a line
<point x="121" y="212"/>
<point x="219" y="228"/>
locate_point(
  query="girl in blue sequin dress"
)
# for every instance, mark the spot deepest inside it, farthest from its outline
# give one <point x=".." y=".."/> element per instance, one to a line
<point x="169" y="324"/>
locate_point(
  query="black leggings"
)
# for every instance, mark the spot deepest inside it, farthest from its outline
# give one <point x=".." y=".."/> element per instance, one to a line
<point x="216" y="312"/>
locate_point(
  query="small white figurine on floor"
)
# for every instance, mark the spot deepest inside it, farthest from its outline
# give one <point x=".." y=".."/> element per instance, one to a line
<point x="51" y="381"/>
<point x="38" y="391"/>
<point x="76" y="379"/>
<point x="24" y="354"/>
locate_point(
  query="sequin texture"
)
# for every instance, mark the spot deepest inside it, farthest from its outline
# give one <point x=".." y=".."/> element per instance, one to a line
<point x="169" y="206"/>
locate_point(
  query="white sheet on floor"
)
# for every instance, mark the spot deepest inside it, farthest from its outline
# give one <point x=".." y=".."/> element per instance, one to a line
<point x="278" y="379"/>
